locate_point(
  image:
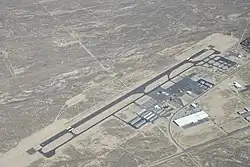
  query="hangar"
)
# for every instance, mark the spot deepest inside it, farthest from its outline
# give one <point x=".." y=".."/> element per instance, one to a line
<point x="191" y="119"/>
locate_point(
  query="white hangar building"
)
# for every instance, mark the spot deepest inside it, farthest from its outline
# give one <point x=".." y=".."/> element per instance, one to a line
<point x="191" y="119"/>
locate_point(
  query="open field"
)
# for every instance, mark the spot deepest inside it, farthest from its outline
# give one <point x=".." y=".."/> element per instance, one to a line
<point x="197" y="134"/>
<point x="230" y="152"/>
<point x="228" y="104"/>
<point x="114" y="144"/>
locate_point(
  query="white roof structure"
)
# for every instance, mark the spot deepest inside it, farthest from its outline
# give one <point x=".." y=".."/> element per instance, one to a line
<point x="242" y="112"/>
<point x="247" y="108"/>
<point x="194" y="105"/>
<point x="237" y="85"/>
<point x="193" y="118"/>
<point x="248" y="118"/>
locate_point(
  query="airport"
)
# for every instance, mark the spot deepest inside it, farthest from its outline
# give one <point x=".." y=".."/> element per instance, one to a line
<point x="130" y="84"/>
<point x="171" y="100"/>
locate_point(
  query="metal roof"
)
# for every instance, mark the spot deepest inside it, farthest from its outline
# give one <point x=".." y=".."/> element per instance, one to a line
<point x="193" y="118"/>
<point x="247" y="108"/>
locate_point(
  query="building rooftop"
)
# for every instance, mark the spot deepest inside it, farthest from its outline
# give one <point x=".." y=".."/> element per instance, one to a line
<point x="193" y="118"/>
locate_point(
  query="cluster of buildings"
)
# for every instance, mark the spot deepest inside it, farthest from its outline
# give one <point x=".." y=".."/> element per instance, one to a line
<point x="245" y="113"/>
